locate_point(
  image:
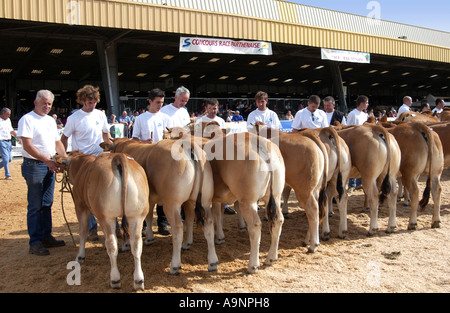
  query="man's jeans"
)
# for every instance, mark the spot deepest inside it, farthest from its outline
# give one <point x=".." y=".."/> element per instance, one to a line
<point x="41" y="184"/>
<point x="5" y="152"/>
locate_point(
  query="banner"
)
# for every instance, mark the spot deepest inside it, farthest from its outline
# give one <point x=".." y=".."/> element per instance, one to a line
<point x="345" y="56"/>
<point x="219" y="45"/>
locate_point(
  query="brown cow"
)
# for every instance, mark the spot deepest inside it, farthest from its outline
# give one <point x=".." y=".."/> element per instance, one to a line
<point x="414" y="116"/>
<point x="306" y="164"/>
<point x="124" y="192"/>
<point x="421" y="152"/>
<point x="178" y="175"/>
<point x="375" y="157"/>
<point x="443" y="130"/>
<point x="245" y="168"/>
<point x="445" y="115"/>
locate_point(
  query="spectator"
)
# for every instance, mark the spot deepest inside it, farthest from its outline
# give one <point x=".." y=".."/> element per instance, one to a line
<point x="126" y="120"/>
<point x="332" y="114"/>
<point x="439" y="106"/>
<point x="6" y="131"/>
<point x="237" y="117"/>
<point x="406" y="106"/>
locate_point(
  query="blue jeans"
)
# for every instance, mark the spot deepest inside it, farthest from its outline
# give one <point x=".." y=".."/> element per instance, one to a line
<point x="5" y="153"/>
<point x="41" y="184"/>
<point x="354" y="182"/>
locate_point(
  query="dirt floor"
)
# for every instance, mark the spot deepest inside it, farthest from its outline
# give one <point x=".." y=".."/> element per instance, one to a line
<point x="405" y="261"/>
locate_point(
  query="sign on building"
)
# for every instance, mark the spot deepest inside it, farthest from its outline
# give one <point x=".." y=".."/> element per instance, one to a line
<point x="345" y="56"/>
<point x="220" y="45"/>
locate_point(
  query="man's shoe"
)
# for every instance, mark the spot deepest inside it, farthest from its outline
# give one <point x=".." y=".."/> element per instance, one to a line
<point x="163" y="229"/>
<point x="52" y="242"/>
<point x="93" y="236"/>
<point x="39" y="249"/>
<point x="229" y="210"/>
<point x="8" y="178"/>
<point x="350" y="189"/>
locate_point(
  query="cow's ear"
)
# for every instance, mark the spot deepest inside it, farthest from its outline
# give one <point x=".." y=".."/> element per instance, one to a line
<point x="106" y="146"/>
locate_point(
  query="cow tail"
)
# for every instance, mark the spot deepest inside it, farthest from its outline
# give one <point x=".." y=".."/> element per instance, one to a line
<point x="200" y="170"/>
<point x="271" y="209"/>
<point x="120" y="163"/>
<point x="429" y="139"/>
<point x="386" y="184"/>
<point x="339" y="183"/>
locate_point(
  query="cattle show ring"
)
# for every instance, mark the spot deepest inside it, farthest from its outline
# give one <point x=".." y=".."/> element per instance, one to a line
<point x="401" y="261"/>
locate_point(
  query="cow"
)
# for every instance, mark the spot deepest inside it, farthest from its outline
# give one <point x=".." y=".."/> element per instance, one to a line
<point x="178" y="175"/>
<point x="246" y="168"/>
<point x="375" y="157"/>
<point x="414" y="116"/>
<point x="443" y="131"/>
<point x="444" y="116"/>
<point x="306" y="164"/>
<point x="109" y="186"/>
<point x="421" y="152"/>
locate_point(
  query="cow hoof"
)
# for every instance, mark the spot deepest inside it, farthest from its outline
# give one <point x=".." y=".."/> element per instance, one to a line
<point x="390" y="229"/>
<point x="326" y="236"/>
<point x="242" y="229"/>
<point x="213" y="267"/>
<point x="343" y="235"/>
<point x="115" y="284"/>
<point x="311" y="250"/>
<point x="186" y="247"/>
<point x="175" y="270"/>
<point x="269" y="262"/>
<point x="436" y="224"/>
<point x="80" y="260"/>
<point x="412" y="226"/>
<point x="124" y="248"/>
<point x="253" y="270"/>
<point x="149" y="242"/>
<point x="220" y="241"/>
<point x="139" y="285"/>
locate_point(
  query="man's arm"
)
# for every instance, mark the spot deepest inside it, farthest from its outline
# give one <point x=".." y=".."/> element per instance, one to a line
<point x="31" y="150"/>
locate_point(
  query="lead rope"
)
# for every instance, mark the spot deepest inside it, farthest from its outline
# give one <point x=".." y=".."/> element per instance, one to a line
<point x="65" y="187"/>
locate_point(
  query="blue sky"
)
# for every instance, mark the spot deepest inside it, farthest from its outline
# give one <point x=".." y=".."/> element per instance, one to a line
<point x="433" y="14"/>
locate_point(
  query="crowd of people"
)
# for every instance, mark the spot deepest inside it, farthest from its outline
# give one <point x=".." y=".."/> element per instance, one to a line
<point x="42" y="135"/>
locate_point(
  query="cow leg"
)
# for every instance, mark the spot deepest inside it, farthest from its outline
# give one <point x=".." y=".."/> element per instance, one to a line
<point x="217" y="211"/>
<point x="208" y="231"/>
<point x="285" y="195"/>
<point x="189" y="216"/>
<point x="325" y="233"/>
<point x="135" y="226"/>
<point x="241" y="221"/>
<point x="312" y="235"/>
<point x="83" y="218"/>
<point x="249" y="212"/>
<point x="400" y="188"/>
<point x="392" y="205"/>
<point x="342" y="206"/>
<point x="149" y="239"/>
<point x="371" y="192"/>
<point x="275" y="226"/>
<point x="173" y="215"/>
<point x="412" y="188"/>
<point x="436" y="190"/>
<point x="109" y="228"/>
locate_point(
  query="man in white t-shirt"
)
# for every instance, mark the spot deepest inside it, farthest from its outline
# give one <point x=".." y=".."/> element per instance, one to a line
<point x="358" y="116"/>
<point x="212" y="107"/>
<point x="6" y="130"/>
<point x="150" y="126"/>
<point x="88" y="127"/>
<point x="406" y="106"/>
<point x="40" y="142"/>
<point x="439" y="106"/>
<point x="311" y="116"/>
<point x="176" y="110"/>
<point x="262" y="113"/>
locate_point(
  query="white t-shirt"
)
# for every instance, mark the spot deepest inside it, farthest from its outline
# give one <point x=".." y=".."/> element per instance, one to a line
<point x="438" y="111"/>
<point x="43" y="133"/>
<point x="87" y="131"/>
<point x="403" y="108"/>
<point x="217" y="119"/>
<point x="180" y="117"/>
<point x="357" y="117"/>
<point x="268" y="117"/>
<point x="151" y="125"/>
<point x="5" y="129"/>
<point x="307" y="119"/>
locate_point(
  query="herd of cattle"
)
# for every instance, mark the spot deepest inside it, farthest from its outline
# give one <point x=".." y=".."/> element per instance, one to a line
<point x="203" y="173"/>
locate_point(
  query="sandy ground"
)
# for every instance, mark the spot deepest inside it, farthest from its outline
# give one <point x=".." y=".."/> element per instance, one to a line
<point x="405" y="261"/>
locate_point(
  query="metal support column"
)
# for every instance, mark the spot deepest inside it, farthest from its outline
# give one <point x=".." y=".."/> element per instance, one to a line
<point x="109" y="67"/>
<point x="337" y="81"/>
